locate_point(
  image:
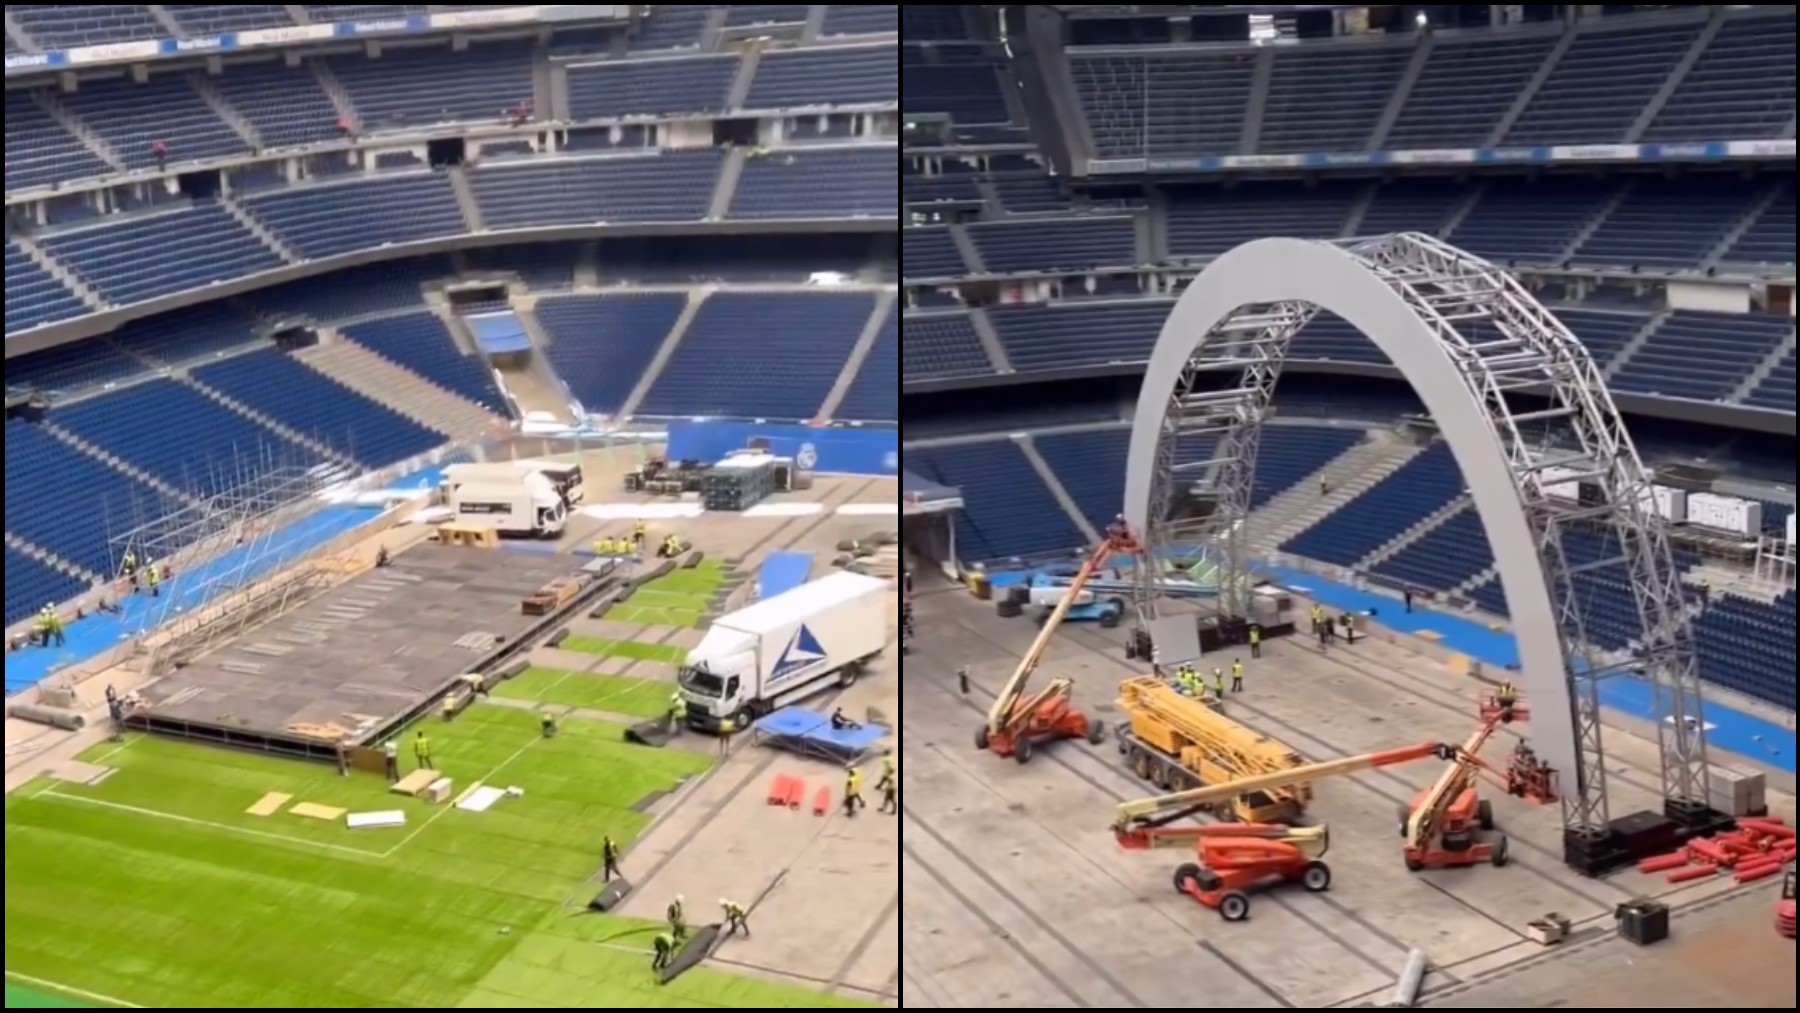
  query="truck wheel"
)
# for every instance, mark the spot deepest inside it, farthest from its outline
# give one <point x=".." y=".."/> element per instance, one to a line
<point x="1484" y="814"/>
<point x="1234" y="907"/>
<point x="745" y="717"/>
<point x="1096" y="732"/>
<point x="1316" y="877"/>
<point x="1187" y="878"/>
<point x="1500" y="857"/>
<point x="1124" y="742"/>
<point x="1022" y="751"/>
<point x="1140" y="764"/>
<point x="1110" y="620"/>
<point x="847" y="675"/>
<point x="981" y="738"/>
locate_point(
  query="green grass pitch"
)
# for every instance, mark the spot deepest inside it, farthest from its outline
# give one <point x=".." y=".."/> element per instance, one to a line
<point x="155" y="889"/>
<point x="642" y="698"/>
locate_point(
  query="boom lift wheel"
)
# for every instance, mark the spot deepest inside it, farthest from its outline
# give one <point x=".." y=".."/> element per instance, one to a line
<point x="1316" y="878"/>
<point x="1234" y="907"/>
<point x="1022" y="750"/>
<point x="1096" y="732"/>
<point x="1187" y="878"/>
<point x="1499" y="854"/>
<point x="1484" y="814"/>
<point x="981" y="738"/>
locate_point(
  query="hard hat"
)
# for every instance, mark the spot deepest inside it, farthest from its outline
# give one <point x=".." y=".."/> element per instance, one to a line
<point x="679" y="898"/>
<point x="724" y="903"/>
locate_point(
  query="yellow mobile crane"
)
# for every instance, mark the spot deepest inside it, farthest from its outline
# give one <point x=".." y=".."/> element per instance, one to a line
<point x="1017" y="721"/>
<point x="1177" y="742"/>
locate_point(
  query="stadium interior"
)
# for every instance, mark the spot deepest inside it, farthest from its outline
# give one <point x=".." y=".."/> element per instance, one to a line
<point x="1070" y="170"/>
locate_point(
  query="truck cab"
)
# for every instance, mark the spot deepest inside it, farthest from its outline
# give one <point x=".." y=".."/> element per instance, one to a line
<point x="715" y="685"/>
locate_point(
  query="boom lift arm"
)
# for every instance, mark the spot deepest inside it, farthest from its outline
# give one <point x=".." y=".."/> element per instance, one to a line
<point x="1143" y="823"/>
<point x="1016" y="718"/>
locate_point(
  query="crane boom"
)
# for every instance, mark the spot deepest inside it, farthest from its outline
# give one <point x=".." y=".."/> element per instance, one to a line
<point x="1005" y="710"/>
<point x="1166" y="808"/>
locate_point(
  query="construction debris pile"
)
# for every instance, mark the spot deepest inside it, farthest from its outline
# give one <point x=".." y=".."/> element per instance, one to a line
<point x="1757" y="849"/>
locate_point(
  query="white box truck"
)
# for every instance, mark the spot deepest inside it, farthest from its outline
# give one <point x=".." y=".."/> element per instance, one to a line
<point x="565" y="476"/>
<point x="783" y="649"/>
<point x="528" y="506"/>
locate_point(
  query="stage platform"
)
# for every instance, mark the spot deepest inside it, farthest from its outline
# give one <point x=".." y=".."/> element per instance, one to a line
<point x="809" y="733"/>
<point x="358" y="659"/>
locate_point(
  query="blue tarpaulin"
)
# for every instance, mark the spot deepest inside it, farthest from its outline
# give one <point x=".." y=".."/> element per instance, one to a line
<point x="782" y="572"/>
<point x="499" y="333"/>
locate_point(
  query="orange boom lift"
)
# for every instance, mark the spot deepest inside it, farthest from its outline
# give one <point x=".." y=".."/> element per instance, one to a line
<point x="1018" y="722"/>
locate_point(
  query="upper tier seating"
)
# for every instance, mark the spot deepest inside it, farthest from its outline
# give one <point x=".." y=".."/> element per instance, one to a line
<point x="1741" y="87"/>
<point x="1601" y="85"/>
<point x="1530" y="222"/>
<point x="601" y="344"/>
<point x="1206" y="223"/>
<point x="286" y="106"/>
<point x="1009" y="512"/>
<point x="331" y="219"/>
<point x="1667" y="223"/>
<point x="874" y="396"/>
<point x="942" y="346"/>
<point x="306" y="401"/>
<point x="72" y="26"/>
<point x="1769" y="240"/>
<point x="1178" y="105"/>
<point x="673" y="186"/>
<point x="420" y="342"/>
<point x="417" y="87"/>
<point x="1465" y="88"/>
<point x="961" y="84"/>
<point x="832" y="183"/>
<point x="802" y="341"/>
<point x="651" y="87"/>
<point x="1443" y="558"/>
<point x="39" y="151"/>
<point x="671" y="26"/>
<point x="132" y="117"/>
<point x="861" y="19"/>
<point x="854" y="75"/>
<point x="930" y="253"/>
<point x="1302" y="116"/>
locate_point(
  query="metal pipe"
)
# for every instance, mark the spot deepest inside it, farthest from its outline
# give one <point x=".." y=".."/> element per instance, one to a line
<point x="1412" y="981"/>
<point x="68" y="721"/>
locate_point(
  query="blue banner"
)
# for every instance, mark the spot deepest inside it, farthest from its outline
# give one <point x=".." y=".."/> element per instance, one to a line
<point x="861" y="451"/>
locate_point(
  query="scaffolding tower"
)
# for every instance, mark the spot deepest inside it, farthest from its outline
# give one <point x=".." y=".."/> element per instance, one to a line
<point x="237" y="558"/>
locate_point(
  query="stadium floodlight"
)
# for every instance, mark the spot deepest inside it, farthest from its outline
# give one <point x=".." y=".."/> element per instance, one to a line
<point x="1423" y="19"/>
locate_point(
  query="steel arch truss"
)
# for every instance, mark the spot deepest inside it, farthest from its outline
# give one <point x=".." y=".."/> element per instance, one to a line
<point x="1467" y="336"/>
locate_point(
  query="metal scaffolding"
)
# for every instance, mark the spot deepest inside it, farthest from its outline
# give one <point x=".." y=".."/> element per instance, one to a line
<point x="229" y="561"/>
<point x="1499" y="342"/>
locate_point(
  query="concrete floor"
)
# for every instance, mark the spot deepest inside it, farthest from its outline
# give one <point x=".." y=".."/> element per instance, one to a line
<point x="1017" y="896"/>
<point x="823" y="892"/>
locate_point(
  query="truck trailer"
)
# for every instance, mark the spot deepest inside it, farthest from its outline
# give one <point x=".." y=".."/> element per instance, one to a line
<point x="786" y="648"/>
<point x="565" y="477"/>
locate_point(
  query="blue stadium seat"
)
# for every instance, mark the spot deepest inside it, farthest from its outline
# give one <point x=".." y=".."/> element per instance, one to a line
<point x="110" y="503"/>
<point x="1330" y="337"/>
<point x="1050" y="244"/>
<point x="1419" y="487"/>
<point x="861" y="19"/>
<point x="420" y="86"/>
<point x="675" y="186"/>
<point x="1008" y="512"/>
<point x="306" y="401"/>
<point x="1165" y="105"/>
<point x="39" y="152"/>
<point x="218" y="19"/>
<point x="931" y="253"/>
<point x="72" y="26"/>
<point x="285" y="105"/>
<point x="1061" y="336"/>
<point x="1301" y="116"/>
<point x="133" y="116"/>
<point x="72" y="367"/>
<point x="1602" y="84"/>
<point x="1206" y="223"/>
<point x="1667" y="224"/>
<point x="962" y="85"/>
<point x="1702" y="356"/>
<point x="331" y="219"/>
<point x="145" y="258"/>
<point x="1768" y="242"/>
<point x="1748" y="646"/>
<point x="650" y="87"/>
<point x="942" y="346"/>
<point x="30" y="585"/>
<point x="838" y="76"/>
<point x="1444" y="558"/>
<point x="802" y="343"/>
<point x="33" y="297"/>
<point x="671" y="26"/>
<point x="420" y="343"/>
<point x="874" y="396"/>
<point x="1741" y="88"/>
<point x="182" y="437"/>
<point x="1465" y="89"/>
<point x="833" y="183"/>
<point x="601" y="344"/>
<point x="1531" y="222"/>
<point x="1419" y="205"/>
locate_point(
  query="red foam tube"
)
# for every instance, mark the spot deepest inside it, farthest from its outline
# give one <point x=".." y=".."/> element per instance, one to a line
<point x="1691" y="873"/>
<point x="1753" y="873"/>
<point x="1710" y="851"/>
<point x="1663" y="863"/>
